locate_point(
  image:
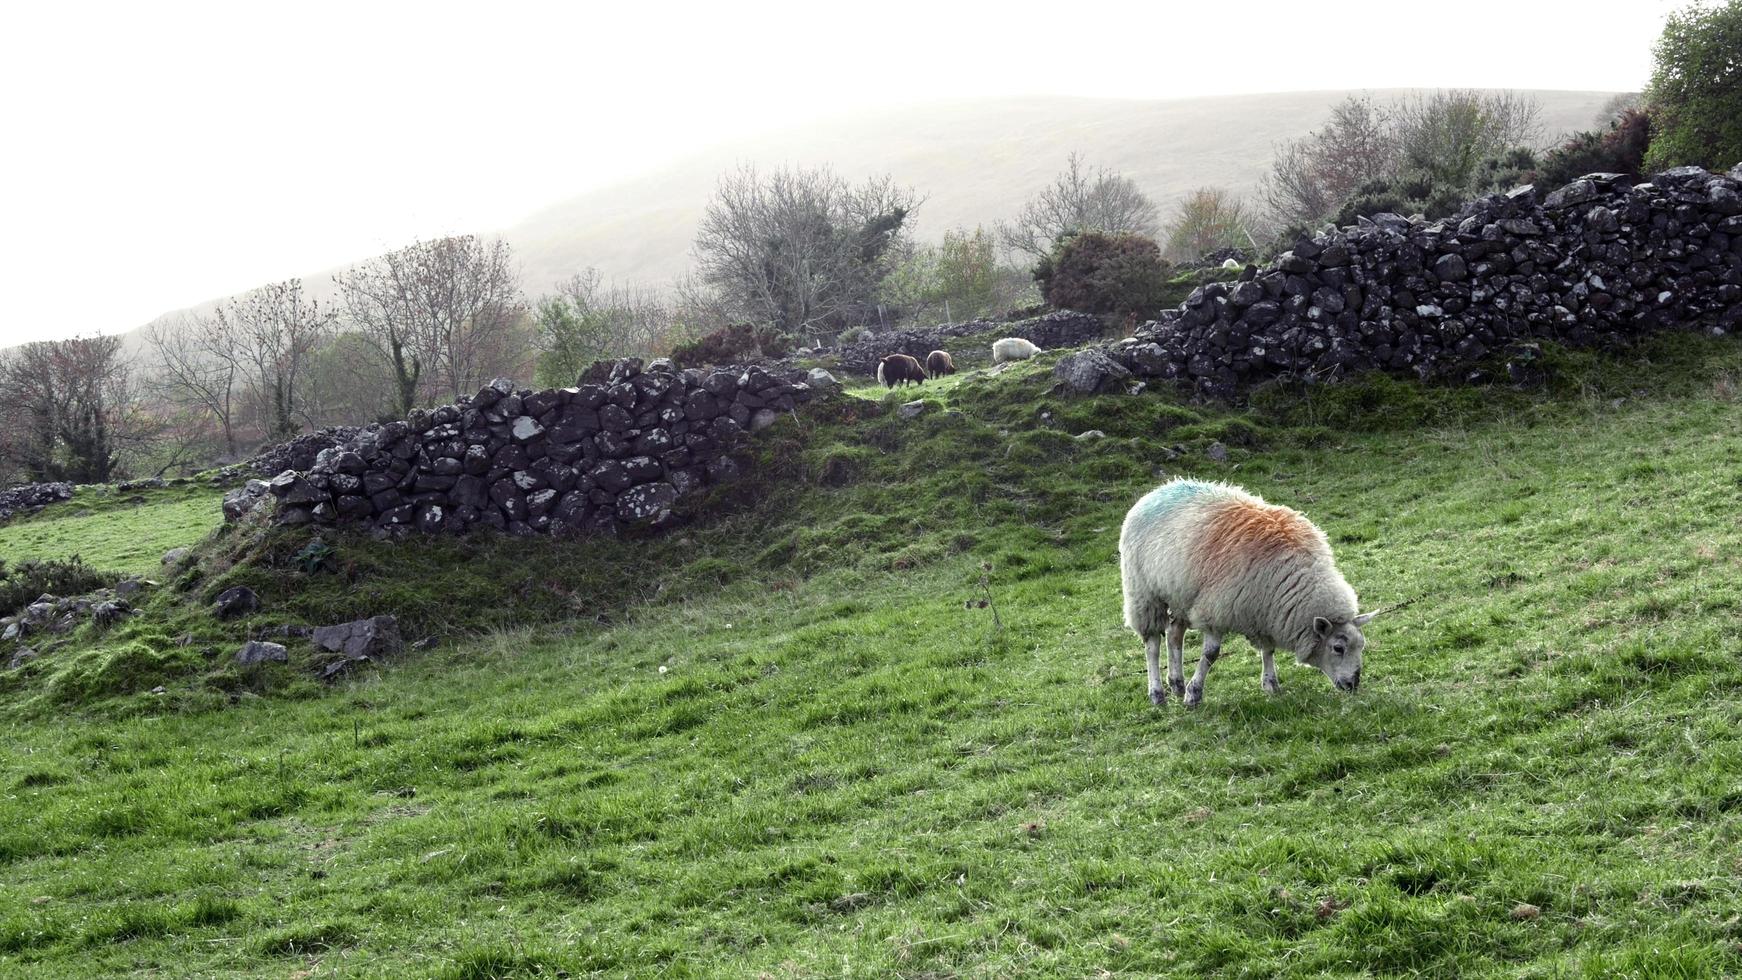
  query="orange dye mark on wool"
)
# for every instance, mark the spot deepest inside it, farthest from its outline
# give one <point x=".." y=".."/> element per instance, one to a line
<point x="1239" y="533"/>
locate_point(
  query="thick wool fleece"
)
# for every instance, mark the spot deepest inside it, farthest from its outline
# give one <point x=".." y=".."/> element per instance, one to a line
<point x="1227" y="562"/>
<point x="1012" y="349"/>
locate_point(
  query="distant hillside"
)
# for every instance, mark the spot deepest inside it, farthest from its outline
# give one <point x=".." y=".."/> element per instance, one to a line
<point x="976" y="162"/>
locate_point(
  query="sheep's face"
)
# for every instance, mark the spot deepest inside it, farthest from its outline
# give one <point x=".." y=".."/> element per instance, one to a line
<point x="1337" y="650"/>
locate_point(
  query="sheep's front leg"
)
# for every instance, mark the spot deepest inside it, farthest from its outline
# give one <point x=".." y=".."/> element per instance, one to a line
<point x="1212" y="650"/>
<point x="1152" y="651"/>
<point x="1270" y="684"/>
<point x="1176" y="656"/>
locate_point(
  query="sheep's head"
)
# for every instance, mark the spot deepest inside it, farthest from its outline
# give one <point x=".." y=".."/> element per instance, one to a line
<point x="1337" y="650"/>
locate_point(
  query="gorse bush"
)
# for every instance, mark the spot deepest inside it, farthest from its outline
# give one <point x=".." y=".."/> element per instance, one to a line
<point x="1100" y="273"/>
<point x="23" y="583"/>
<point x="1618" y="149"/>
<point x="729" y="344"/>
<point x="1421" y="192"/>
<point x="1505" y="171"/>
<point x="1406" y="194"/>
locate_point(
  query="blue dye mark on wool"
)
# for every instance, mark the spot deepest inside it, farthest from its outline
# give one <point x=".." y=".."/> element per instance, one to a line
<point x="1158" y="502"/>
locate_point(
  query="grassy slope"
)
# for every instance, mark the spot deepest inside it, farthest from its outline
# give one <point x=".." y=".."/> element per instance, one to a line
<point x="116" y="532"/>
<point x="844" y="772"/>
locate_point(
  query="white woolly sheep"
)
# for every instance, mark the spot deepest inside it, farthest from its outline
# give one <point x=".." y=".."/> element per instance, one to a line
<point x="1218" y="559"/>
<point x="1012" y="349"/>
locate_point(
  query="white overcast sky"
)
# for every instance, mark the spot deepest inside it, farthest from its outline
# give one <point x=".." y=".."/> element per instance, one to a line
<point x="154" y="155"/>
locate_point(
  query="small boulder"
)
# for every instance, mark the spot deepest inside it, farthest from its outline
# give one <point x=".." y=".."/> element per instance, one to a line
<point x="109" y="611"/>
<point x="911" y="410"/>
<point x="649" y="503"/>
<point x="174" y="556"/>
<point x="1091" y="371"/>
<point x="762" y="418"/>
<point x="526" y="428"/>
<point x="1451" y="268"/>
<point x="243" y="500"/>
<point x="39" y="613"/>
<point x="131" y="586"/>
<point x="260" y="651"/>
<point x="821" y="380"/>
<point x="1217" y="452"/>
<point x="237" y="601"/>
<point x="377" y="636"/>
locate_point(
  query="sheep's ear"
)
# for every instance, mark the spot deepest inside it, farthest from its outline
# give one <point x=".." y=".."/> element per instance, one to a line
<point x="1321" y="626"/>
<point x="1365" y="618"/>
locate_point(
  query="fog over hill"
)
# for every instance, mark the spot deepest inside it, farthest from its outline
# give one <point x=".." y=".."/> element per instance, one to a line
<point x="975" y="161"/>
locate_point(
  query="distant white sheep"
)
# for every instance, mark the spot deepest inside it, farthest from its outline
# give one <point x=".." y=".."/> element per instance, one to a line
<point x="1012" y="349"/>
<point x="1218" y="559"/>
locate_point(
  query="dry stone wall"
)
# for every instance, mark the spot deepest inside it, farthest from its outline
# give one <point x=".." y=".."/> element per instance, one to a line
<point x="1595" y="263"/>
<point x="31" y="497"/>
<point x="595" y="458"/>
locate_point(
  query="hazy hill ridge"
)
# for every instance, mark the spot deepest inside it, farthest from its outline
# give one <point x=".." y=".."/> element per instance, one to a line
<point x="975" y="160"/>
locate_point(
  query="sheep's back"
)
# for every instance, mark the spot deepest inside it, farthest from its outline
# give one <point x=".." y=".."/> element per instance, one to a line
<point x="1212" y="550"/>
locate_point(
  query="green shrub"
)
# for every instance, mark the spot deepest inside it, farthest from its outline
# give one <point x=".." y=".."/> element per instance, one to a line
<point x="1376" y="197"/>
<point x="1619" y="149"/>
<point x="1695" y="95"/>
<point x="1505" y="171"/>
<point x="728" y="345"/>
<point x="21" y="584"/>
<point x="1095" y="272"/>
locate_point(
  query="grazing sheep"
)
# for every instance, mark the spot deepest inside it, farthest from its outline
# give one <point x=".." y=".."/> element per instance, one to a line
<point x="1012" y="349"/>
<point x="899" y="369"/>
<point x="939" y="363"/>
<point x="1214" y="557"/>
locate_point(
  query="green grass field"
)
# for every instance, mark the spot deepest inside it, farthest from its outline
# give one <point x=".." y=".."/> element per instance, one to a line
<point x="118" y="532"/>
<point x="777" y="743"/>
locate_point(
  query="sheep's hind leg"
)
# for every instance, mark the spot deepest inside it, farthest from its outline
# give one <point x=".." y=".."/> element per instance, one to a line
<point x="1212" y="650"/>
<point x="1270" y="684"/>
<point x="1176" y="657"/>
<point x="1152" y="652"/>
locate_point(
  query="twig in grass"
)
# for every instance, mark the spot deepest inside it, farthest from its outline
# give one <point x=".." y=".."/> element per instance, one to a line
<point x="987" y="602"/>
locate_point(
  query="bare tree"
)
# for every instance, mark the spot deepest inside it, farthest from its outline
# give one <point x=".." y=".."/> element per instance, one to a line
<point x="198" y="365"/>
<point x="1311" y="176"/>
<point x="30" y="410"/>
<point x="1441" y="136"/>
<point x="697" y="308"/>
<point x="69" y="412"/>
<point x="438" y="314"/>
<point x="1204" y="220"/>
<point x="800" y="248"/>
<point x="276" y="333"/>
<point x="958" y="278"/>
<point x="1076" y="201"/>
<point x="1445" y="134"/>
<point x="586" y="319"/>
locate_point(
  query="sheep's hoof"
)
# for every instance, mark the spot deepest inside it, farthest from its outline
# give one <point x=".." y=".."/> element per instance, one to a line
<point x="1194" y="696"/>
<point x="1179" y="688"/>
<point x="1158" y="697"/>
<point x="1272" y="687"/>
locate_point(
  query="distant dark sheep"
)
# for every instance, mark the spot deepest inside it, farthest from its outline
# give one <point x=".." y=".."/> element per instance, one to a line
<point x="899" y="369"/>
<point x="939" y="363"/>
